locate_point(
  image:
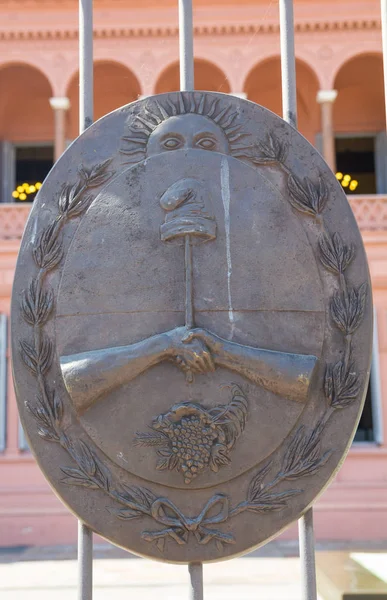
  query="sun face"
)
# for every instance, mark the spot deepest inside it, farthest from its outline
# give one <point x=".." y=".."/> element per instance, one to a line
<point x="186" y="122"/>
<point x="187" y="131"/>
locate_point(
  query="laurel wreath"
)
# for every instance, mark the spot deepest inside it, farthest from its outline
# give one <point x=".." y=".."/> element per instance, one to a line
<point x="342" y="382"/>
<point x="303" y="458"/>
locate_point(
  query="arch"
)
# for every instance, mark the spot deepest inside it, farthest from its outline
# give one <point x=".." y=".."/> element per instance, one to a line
<point x="359" y="106"/>
<point x="349" y="53"/>
<point x="25" y="112"/>
<point x="114" y="85"/>
<point x="263" y="86"/>
<point x="208" y="76"/>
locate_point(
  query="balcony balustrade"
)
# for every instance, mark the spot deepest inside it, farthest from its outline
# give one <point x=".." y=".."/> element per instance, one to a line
<point x="370" y="212"/>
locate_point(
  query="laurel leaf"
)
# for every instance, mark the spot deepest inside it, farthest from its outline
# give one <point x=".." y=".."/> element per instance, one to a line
<point x="334" y="254"/>
<point x="58" y="409"/>
<point x="163" y="463"/>
<point x="48" y="250"/>
<point x="29" y="356"/>
<point x="124" y="514"/>
<point x="86" y="459"/>
<point x="80" y="207"/>
<point x="276" y="501"/>
<point x="154" y="438"/>
<point x="256" y="484"/>
<point x="298" y="196"/>
<point x="45" y="354"/>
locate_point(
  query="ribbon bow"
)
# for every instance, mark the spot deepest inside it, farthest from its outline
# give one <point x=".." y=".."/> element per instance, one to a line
<point x="179" y="526"/>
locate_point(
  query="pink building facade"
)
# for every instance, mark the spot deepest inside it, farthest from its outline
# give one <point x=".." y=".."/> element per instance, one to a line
<point x="341" y="111"/>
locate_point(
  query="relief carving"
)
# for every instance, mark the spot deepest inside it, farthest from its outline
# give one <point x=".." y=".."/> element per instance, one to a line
<point x="174" y="125"/>
<point x="342" y="379"/>
<point x="192" y="439"/>
<point x="192" y="350"/>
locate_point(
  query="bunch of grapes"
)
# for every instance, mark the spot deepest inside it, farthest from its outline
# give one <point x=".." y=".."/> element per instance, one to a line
<point x="191" y="440"/>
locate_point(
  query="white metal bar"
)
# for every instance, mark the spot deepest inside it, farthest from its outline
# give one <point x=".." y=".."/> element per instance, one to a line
<point x="196" y="580"/>
<point x="383" y="6"/>
<point x="3" y="381"/>
<point x="289" y="108"/>
<point x="376" y="391"/>
<point x="86" y="109"/>
<point x="85" y="562"/>
<point x="186" y="45"/>
<point x="85" y="64"/>
<point x="288" y="62"/>
<point x="186" y="56"/>
<point x="307" y="556"/>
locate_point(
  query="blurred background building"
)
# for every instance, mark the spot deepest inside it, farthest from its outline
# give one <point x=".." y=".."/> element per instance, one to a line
<point x="341" y="111"/>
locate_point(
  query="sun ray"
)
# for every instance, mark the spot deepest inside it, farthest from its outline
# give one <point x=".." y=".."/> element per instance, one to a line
<point x="220" y="116"/>
<point x="237" y="154"/>
<point x="212" y="108"/>
<point x="192" y="108"/>
<point x="153" y="114"/>
<point x="148" y="124"/>
<point x="236" y="137"/>
<point x="233" y="129"/>
<point x="132" y="152"/>
<point x="173" y="107"/>
<point x="201" y="105"/>
<point x="230" y="120"/>
<point x="181" y="104"/>
<point x="162" y="111"/>
<point x="135" y="140"/>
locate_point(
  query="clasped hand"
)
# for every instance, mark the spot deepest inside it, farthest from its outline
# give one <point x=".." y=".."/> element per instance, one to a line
<point x="191" y="350"/>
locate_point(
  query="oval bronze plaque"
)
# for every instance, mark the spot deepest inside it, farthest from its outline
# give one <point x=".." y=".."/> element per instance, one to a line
<point x="191" y="322"/>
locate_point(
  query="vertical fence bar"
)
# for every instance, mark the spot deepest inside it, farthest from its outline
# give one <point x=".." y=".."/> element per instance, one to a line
<point x="383" y="6"/>
<point x="186" y="56"/>
<point x="85" y="562"/>
<point x="288" y="63"/>
<point x="86" y="109"/>
<point x="307" y="556"/>
<point x="196" y="580"/>
<point x="186" y="45"/>
<point x="289" y="107"/>
<point x="86" y="103"/>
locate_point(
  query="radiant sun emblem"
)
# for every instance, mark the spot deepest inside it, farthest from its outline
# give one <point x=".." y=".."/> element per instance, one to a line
<point x="177" y="123"/>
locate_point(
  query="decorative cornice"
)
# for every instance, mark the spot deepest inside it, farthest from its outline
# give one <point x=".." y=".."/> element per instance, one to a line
<point x="202" y="30"/>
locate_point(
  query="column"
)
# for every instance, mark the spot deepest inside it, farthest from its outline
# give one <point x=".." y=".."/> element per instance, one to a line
<point x="59" y="106"/>
<point x="326" y="99"/>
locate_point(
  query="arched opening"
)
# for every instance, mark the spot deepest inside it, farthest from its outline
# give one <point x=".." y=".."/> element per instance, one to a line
<point x="114" y="86"/>
<point x="263" y="86"/>
<point x="207" y="77"/>
<point x="359" y="125"/>
<point x="26" y="131"/>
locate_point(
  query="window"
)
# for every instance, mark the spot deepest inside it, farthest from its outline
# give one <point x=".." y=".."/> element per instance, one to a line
<point x="355" y="162"/>
<point x="370" y="424"/>
<point x="32" y="164"/>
